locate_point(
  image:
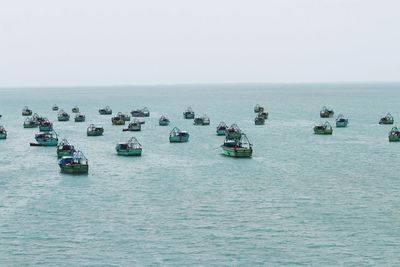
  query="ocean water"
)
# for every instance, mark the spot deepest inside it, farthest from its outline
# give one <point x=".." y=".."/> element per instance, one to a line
<point x="302" y="199"/>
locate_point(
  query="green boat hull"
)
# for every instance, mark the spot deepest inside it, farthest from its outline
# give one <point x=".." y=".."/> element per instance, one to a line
<point x="178" y="139"/>
<point x="63" y="119"/>
<point x="3" y="136"/>
<point x="75" y="169"/>
<point x="79" y="119"/>
<point x="45" y="128"/>
<point x="341" y="124"/>
<point x="221" y="132"/>
<point x="94" y="133"/>
<point x="134" y="152"/>
<point x="237" y="152"/>
<point x="30" y="125"/>
<point x="323" y="132"/>
<point x="394" y="138"/>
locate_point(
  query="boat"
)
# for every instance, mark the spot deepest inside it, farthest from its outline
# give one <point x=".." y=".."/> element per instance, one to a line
<point x="341" y="121"/>
<point x="94" y="130"/>
<point x="222" y="128"/>
<point x="163" y="121"/>
<point x="189" y="113"/>
<point x="79" y="117"/>
<point x="26" y="111"/>
<point x="258" y="109"/>
<point x="326" y="113"/>
<point x="259" y="120"/>
<point x="144" y="112"/>
<point x="135" y="125"/>
<point x="394" y="135"/>
<point x="30" y="122"/>
<point x="63" y="116"/>
<point x="238" y="148"/>
<point x="323" y="128"/>
<point x="388" y="119"/>
<point x="178" y="136"/>
<point x="75" y="109"/>
<point x="202" y="121"/>
<point x="55" y="108"/>
<point x="45" y="126"/>
<point x="116" y="120"/>
<point x="125" y="116"/>
<point x="65" y="149"/>
<point x="233" y="132"/>
<point x="38" y="118"/>
<point x="75" y="164"/>
<point x="105" y="111"/>
<point x="3" y="132"/>
<point x="130" y="148"/>
<point x="46" y="139"/>
<point x="263" y="114"/>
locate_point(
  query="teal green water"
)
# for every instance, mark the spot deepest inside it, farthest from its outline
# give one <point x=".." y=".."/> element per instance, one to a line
<point x="302" y="199"/>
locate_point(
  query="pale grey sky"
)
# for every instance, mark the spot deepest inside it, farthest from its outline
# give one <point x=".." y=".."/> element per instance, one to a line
<point x="99" y="42"/>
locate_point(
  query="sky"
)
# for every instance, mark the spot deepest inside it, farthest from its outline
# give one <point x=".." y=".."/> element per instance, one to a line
<point x="123" y="42"/>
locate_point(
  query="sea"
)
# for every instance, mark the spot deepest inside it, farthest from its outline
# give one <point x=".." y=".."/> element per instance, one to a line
<point x="300" y="200"/>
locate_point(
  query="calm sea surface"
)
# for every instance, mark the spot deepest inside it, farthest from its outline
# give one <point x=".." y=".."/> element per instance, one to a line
<point x="302" y="199"/>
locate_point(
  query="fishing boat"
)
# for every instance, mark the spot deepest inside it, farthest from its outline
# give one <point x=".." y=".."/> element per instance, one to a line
<point x="263" y="114"/>
<point x="55" y="108"/>
<point x="394" y="135"/>
<point x="45" y="126"/>
<point x="202" y="121"/>
<point x="144" y="112"/>
<point x="326" y="113"/>
<point x="189" y="113"/>
<point x="65" y="149"/>
<point x="178" y="136"/>
<point x="258" y="109"/>
<point x="30" y="123"/>
<point x="3" y="132"/>
<point x="75" y="109"/>
<point x="46" y="139"/>
<point x="259" y="120"/>
<point x="163" y="121"/>
<point x="323" y="128"/>
<point x="238" y="148"/>
<point x="135" y="125"/>
<point x="125" y="116"/>
<point x="130" y="148"/>
<point x="79" y="117"/>
<point x="75" y="164"/>
<point x="26" y="111"/>
<point x="341" y="121"/>
<point x="63" y="116"/>
<point x="388" y="119"/>
<point x="222" y="128"/>
<point x="38" y="118"/>
<point x="116" y="120"/>
<point x="94" y="130"/>
<point x="105" y="111"/>
<point x="233" y="132"/>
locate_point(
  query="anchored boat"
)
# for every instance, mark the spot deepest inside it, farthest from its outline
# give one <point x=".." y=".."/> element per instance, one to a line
<point x="189" y="113"/>
<point x="135" y="125"/>
<point x="105" y="111"/>
<point x="163" y="121"/>
<point x="46" y="139"/>
<point x="178" y="136"/>
<point x="259" y="120"/>
<point x="130" y="148"/>
<point x="258" y="109"/>
<point x="55" y="108"/>
<point x="341" y="121"/>
<point x="222" y="128"/>
<point x="326" y="113"/>
<point x="238" y="148"/>
<point x="125" y="116"/>
<point x="94" y="130"/>
<point x="324" y="129"/>
<point x="80" y="117"/>
<point x="45" y="126"/>
<point x="63" y="116"/>
<point x="144" y="112"/>
<point x="202" y="121"/>
<point x="75" y="109"/>
<point x="75" y="164"/>
<point x="38" y="118"/>
<point x="388" y="119"/>
<point x="263" y="114"/>
<point x="233" y="132"/>
<point x="30" y="122"/>
<point x="3" y="132"/>
<point x="394" y="135"/>
<point x="65" y="149"/>
<point x="116" y="120"/>
<point x="26" y="111"/>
